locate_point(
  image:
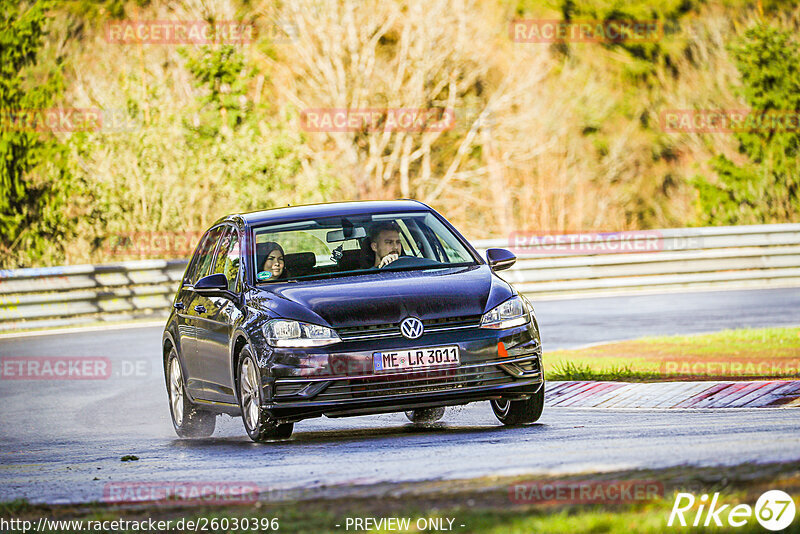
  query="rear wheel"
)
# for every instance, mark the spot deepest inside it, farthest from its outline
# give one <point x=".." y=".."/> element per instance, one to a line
<point x="519" y="412"/>
<point x="425" y="415"/>
<point x="257" y="423"/>
<point x="188" y="420"/>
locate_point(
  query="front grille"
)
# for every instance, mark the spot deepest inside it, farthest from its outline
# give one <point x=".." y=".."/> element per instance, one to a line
<point x="393" y="329"/>
<point x="447" y="322"/>
<point x="417" y="382"/>
<point x="368" y="331"/>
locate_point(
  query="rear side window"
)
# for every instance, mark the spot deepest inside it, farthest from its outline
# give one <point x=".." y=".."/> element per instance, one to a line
<point x="204" y="256"/>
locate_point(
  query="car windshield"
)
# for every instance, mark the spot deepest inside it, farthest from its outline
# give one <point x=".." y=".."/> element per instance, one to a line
<point x="345" y="246"/>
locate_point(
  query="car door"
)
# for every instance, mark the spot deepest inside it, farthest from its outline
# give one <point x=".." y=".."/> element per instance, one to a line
<point x="184" y="314"/>
<point x="215" y="326"/>
<point x="194" y="310"/>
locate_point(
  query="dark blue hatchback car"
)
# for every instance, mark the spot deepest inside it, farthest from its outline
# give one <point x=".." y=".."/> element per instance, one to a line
<point x="346" y="309"/>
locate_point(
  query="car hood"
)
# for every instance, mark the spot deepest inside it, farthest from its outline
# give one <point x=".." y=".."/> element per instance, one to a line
<point x="387" y="297"/>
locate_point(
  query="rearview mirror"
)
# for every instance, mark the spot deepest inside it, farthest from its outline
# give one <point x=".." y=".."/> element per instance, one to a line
<point x="213" y="283"/>
<point x="500" y="258"/>
<point x="339" y="235"/>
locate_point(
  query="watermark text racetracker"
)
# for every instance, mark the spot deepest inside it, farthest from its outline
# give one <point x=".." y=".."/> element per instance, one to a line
<point x="164" y="244"/>
<point x="584" y="31"/>
<point x="185" y="493"/>
<point x="559" y="242"/>
<point x="729" y="121"/>
<point x="377" y="119"/>
<point x="733" y="368"/>
<point x="585" y="491"/>
<point x="72" y="368"/>
<point x="183" y="32"/>
<point x="62" y="120"/>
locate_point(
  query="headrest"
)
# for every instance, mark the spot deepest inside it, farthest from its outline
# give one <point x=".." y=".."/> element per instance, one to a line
<point x="352" y="260"/>
<point x="300" y="262"/>
<point x="293" y="263"/>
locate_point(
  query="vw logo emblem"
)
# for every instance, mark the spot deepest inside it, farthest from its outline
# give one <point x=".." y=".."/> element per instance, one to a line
<point x="411" y="327"/>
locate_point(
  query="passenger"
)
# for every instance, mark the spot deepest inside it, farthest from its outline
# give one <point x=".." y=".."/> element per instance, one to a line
<point x="385" y="243"/>
<point x="273" y="263"/>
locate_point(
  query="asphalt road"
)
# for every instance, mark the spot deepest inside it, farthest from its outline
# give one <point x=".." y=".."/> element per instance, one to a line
<point x="571" y="323"/>
<point x="61" y="441"/>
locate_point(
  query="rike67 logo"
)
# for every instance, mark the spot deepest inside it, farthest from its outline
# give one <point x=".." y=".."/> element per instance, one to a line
<point x="774" y="510"/>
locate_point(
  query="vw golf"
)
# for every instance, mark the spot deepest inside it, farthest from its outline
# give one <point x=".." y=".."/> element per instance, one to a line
<point x="346" y="309"/>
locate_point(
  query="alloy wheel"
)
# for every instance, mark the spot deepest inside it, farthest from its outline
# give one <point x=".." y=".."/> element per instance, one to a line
<point x="176" y="391"/>
<point x="502" y="406"/>
<point x="250" y="394"/>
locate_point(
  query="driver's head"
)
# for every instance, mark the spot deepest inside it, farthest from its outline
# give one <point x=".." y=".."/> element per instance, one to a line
<point x="385" y="240"/>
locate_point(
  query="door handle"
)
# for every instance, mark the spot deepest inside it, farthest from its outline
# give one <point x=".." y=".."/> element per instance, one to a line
<point x="200" y="308"/>
<point x="179" y="306"/>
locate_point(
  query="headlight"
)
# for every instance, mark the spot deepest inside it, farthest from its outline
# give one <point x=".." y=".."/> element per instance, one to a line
<point x="509" y="314"/>
<point x="287" y="333"/>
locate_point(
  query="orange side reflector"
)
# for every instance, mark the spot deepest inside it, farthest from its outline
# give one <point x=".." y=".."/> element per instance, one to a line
<point x="501" y="350"/>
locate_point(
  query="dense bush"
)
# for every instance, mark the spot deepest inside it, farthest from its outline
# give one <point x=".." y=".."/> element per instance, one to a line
<point x="551" y="137"/>
<point x="36" y="220"/>
<point x="766" y="187"/>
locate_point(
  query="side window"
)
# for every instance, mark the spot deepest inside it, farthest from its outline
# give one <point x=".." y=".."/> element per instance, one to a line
<point x="233" y="263"/>
<point x="204" y="257"/>
<point x="195" y="261"/>
<point x="227" y="261"/>
<point x="408" y="244"/>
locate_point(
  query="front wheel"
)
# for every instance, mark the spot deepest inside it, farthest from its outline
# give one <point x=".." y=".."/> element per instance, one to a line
<point x="519" y="412"/>
<point x="257" y="423"/>
<point x="188" y="420"/>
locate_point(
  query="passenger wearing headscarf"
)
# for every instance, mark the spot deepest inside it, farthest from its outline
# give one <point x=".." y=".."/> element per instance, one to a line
<point x="273" y="263"/>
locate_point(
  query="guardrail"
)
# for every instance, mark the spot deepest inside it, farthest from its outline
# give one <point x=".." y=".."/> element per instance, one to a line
<point x="547" y="267"/>
<point x="724" y="257"/>
<point x="80" y="294"/>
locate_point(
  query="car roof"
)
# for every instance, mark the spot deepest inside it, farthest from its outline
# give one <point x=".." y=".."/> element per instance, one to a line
<point x="334" y="209"/>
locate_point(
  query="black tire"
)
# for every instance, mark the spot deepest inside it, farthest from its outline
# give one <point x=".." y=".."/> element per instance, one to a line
<point x="257" y="422"/>
<point x="519" y="412"/>
<point x="425" y="415"/>
<point x="188" y="420"/>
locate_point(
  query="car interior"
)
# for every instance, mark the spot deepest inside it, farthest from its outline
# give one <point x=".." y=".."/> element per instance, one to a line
<point x="319" y="250"/>
<point x="358" y="255"/>
<point x="305" y="263"/>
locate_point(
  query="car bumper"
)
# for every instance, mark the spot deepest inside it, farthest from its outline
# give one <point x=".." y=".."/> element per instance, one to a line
<point x="340" y="383"/>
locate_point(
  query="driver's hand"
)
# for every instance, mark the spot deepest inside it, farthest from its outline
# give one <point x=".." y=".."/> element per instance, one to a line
<point x="389" y="258"/>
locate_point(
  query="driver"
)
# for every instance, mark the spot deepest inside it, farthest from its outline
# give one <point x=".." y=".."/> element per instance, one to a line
<point x="385" y="243"/>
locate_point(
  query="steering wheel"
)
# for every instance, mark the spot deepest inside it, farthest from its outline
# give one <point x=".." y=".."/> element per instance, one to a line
<point x="408" y="261"/>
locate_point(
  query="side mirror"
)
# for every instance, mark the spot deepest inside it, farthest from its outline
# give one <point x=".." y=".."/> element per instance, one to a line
<point x="213" y="283"/>
<point x="500" y="258"/>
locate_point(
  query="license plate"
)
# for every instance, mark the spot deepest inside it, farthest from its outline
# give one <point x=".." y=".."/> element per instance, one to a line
<point x="416" y="358"/>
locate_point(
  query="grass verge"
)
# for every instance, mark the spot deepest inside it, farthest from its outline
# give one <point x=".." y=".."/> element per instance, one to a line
<point x="745" y="354"/>
<point x="483" y="505"/>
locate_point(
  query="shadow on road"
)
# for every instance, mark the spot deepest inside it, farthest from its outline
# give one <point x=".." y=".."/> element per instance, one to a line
<point x="442" y="432"/>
